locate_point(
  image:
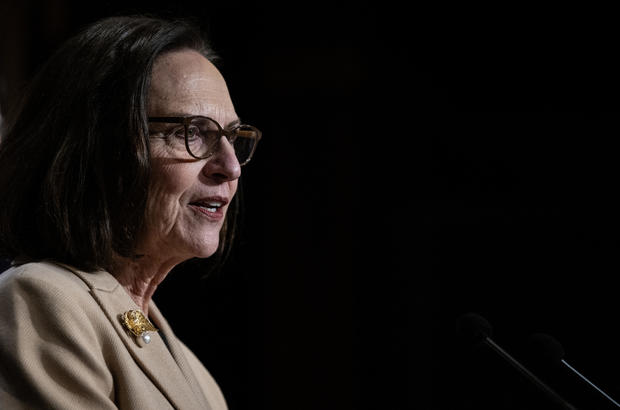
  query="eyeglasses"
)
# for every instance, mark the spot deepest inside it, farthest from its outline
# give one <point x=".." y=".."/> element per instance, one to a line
<point x="201" y="136"/>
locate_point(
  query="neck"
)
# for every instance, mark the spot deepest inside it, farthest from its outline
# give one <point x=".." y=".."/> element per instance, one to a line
<point x="140" y="277"/>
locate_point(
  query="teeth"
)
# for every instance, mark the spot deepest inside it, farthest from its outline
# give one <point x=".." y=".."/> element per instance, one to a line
<point x="211" y="206"/>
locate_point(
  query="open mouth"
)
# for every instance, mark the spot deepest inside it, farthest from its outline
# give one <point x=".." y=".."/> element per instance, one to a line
<point x="210" y="207"/>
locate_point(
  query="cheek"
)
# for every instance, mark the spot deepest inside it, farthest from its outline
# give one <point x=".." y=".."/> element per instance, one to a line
<point x="168" y="184"/>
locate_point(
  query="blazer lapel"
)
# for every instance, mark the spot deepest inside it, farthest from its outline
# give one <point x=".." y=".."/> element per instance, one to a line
<point x="155" y="360"/>
<point x="177" y="352"/>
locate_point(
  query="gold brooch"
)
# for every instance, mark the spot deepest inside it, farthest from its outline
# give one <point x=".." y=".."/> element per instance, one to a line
<point x="138" y="324"/>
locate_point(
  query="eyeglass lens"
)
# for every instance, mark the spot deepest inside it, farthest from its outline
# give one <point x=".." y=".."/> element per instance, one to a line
<point x="203" y="137"/>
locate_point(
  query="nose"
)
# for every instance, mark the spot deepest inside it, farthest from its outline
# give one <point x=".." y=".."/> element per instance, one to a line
<point x="223" y="165"/>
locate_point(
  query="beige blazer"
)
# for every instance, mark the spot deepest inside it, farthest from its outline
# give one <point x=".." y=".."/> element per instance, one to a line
<point x="62" y="346"/>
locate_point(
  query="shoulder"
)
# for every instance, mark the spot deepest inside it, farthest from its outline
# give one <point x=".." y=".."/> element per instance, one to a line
<point x="51" y="338"/>
<point x="43" y="289"/>
<point x="43" y="305"/>
<point x="47" y="275"/>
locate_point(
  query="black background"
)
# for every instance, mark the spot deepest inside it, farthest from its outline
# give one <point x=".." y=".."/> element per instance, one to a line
<point x="418" y="163"/>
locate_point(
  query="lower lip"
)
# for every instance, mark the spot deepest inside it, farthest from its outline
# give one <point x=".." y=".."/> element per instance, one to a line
<point x="217" y="215"/>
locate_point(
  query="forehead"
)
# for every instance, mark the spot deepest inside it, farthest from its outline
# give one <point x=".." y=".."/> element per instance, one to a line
<point x="184" y="82"/>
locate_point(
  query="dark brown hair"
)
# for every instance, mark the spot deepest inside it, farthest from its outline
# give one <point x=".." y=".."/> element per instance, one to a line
<point x="74" y="159"/>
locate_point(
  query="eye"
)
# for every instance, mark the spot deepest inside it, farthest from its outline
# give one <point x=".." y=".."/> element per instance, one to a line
<point x="175" y="138"/>
<point x="193" y="133"/>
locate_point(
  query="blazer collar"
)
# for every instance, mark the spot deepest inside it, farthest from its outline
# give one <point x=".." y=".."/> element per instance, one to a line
<point x="165" y="365"/>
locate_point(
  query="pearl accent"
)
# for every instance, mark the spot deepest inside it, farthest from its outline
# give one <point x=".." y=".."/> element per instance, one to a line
<point x="147" y="338"/>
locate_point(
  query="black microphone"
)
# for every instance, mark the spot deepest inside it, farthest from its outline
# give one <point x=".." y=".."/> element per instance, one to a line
<point x="548" y="348"/>
<point x="474" y="329"/>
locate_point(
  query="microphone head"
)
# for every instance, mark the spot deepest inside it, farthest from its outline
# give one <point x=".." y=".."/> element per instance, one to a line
<point x="545" y="347"/>
<point x="472" y="328"/>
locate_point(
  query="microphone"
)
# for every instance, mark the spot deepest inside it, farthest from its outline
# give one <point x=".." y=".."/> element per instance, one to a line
<point x="548" y="348"/>
<point x="474" y="329"/>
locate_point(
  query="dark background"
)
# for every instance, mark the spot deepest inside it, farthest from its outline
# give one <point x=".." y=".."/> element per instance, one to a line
<point x="418" y="163"/>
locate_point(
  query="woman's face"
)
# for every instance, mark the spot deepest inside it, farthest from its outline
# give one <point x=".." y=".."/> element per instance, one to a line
<point x="188" y="198"/>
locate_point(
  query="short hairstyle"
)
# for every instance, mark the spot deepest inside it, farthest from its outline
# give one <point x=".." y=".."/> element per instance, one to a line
<point x="74" y="160"/>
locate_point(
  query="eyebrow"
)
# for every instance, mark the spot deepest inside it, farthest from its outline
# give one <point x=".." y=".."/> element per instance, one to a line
<point x="234" y="122"/>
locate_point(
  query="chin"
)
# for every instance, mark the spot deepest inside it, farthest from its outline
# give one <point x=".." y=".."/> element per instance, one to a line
<point x="206" y="254"/>
<point x="206" y="250"/>
<point x="196" y="243"/>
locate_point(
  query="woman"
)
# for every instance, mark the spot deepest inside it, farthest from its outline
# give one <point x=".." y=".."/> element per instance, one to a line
<point x="122" y="161"/>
